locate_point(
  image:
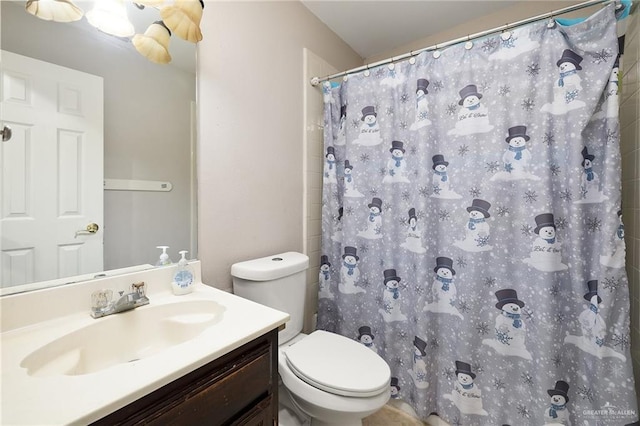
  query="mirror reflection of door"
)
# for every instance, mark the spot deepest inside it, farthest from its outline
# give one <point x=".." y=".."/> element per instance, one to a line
<point x="52" y="171"/>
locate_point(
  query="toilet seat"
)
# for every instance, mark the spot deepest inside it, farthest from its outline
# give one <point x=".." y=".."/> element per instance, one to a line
<point x="338" y="365"/>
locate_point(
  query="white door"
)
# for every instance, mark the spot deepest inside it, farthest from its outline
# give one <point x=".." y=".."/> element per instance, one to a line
<point x="52" y="171"/>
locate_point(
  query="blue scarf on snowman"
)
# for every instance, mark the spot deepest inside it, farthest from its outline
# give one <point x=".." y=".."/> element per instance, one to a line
<point x="473" y="222"/>
<point x="395" y="291"/>
<point x="517" y="322"/>
<point x="518" y="150"/>
<point x="372" y="216"/>
<point x="553" y="411"/>
<point x="563" y="75"/>
<point x="443" y="175"/>
<point x="445" y="282"/>
<point x="350" y="267"/>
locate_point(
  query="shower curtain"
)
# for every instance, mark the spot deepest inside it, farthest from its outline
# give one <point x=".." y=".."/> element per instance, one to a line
<point x="472" y="231"/>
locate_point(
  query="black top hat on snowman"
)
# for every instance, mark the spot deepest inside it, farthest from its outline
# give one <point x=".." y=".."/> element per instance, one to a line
<point x="586" y="155"/>
<point x="517" y="132"/>
<point x="324" y="260"/>
<point x="343" y="111"/>
<point x="438" y="160"/>
<point x="507" y="295"/>
<point x="368" y="110"/>
<point x="423" y="83"/>
<point x="481" y="206"/>
<point x="444" y="262"/>
<point x="330" y="150"/>
<point x="542" y="220"/>
<point x="593" y="291"/>
<point x="396" y="145"/>
<point x="390" y="275"/>
<point x="376" y="202"/>
<point x="365" y="330"/>
<point x="570" y="56"/>
<point x="561" y="388"/>
<point x="340" y="212"/>
<point x="394" y="383"/>
<point x="464" y="368"/>
<point x="420" y="344"/>
<point x="470" y="90"/>
<point x="347" y="165"/>
<point x="350" y="251"/>
<point x="412" y="213"/>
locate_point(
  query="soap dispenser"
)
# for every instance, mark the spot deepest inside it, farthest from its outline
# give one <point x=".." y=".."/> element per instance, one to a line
<point x="183" y="278"/>
<point x="164" y="257"/>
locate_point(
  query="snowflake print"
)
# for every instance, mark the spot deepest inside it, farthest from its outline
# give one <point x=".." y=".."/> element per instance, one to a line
<point x="463" y="306"/>
<point x="533" y="69"/>
<point x="437" y="86"/>
<point x="433" y="343"/>
<point x="403" y="125"/>
<point x="363" y="248"/>
<point x="611" y="284"/>
<point x="489" y="44"/>
<point x="566" y="195"/>
<point x="530" y="196"/>
<point x="382" y="171"/>
<point x="489" y="282"/>
<point x="355" y="123"/>
<point x="526" y="230"/>
<point x="404" y="98"/>
<point x="548" y="139"/>
<point x="527" y="104"/>
<point x="399" y="361"/>
<point x="561" y="222"/>
<point x="484" y="86"/>
<point x="462" y="262"/>
<point x="424" y="191"/>
<point x="492" y="166"/>
<point x="474" y="191"/>
<point x="477" y="367"/>
<point x="403" y="220"/>
<point x="436" y="189"/>
<point x="557" y="360"/>
<point x="570" y="95"/>
<point x="422" y="115"/>
<point x="387" y="307"/>
<point x="418" y="289"/>
<point x="586" y="393"/>
<point x="366" y="282"/>
<point x="612" y="136"/>
<point x="503" y="211"/>
<point x="583" y="192"/>
<point x="452" y="109"/>
<point x="413" y="150"/>
<point x="621" y="340"/>
<point x="373" y="192"/>
<point x="482" y="328"/>
<point x="380" y="73"/>
<point x="527" y="379"/>
<point x="421" y="376"/>
<point x="555" y="290"/>
<point x="449" y="373"/>
<point x="601" y="56"/>
<point x="504" y="90"/>
<point x="389" y="111"/>
<point x="594" y="224"/>
<point x="364" y="157"/>
<point x="528" y="314"/>
<point x="498" y="384"/>
<point x="335" y="195"/>
<point x="482" y="240"/>
<point x="406" y="195"/>
<point x="523" y="411"/>
<point x="378" y="230"/>
<point x="554" y="169"/>
<point x="560" y="318"/>
<point x="510" y="42"/>
<point x="463" y="150"/>
<point x="508" y="167"/>
<point x="503" y="337"/>
<point x="444" y="215"/>
<point x="456" y="421"/>
<point x="387" y="206"/>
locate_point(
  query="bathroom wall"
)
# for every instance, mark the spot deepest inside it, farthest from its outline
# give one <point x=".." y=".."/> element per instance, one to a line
<point x="630" y="150"/>
<point x="250" y="153"/>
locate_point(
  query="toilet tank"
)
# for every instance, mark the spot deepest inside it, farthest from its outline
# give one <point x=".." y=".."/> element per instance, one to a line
<point x="277" y="281"/>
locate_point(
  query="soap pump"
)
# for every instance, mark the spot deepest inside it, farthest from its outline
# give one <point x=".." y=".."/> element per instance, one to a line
<point x="164" y="257"/>
<point x="183" y="278"/>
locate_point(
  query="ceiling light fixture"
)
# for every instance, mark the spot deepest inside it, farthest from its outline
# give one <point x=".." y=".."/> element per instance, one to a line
<point x="54" y="10"/>
<point x="110" y="16"/>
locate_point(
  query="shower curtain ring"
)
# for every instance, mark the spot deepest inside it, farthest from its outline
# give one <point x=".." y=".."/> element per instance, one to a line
<point x="436" y="53"/>
<point x="412" y="59"/>
<point x="469" y="44"/>
<point x="367" y="73"/>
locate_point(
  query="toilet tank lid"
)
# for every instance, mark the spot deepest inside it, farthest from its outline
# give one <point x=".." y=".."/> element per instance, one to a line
<point x="271" y="267"/>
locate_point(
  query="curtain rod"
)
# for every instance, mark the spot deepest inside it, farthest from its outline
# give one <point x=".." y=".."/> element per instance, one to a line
<point x="316" y="80"/>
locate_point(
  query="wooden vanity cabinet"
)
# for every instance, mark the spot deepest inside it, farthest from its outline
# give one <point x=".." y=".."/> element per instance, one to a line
<point x="239" y="388"/>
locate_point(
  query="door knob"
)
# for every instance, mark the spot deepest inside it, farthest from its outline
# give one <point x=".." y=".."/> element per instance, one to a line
<point x="6" y="133"/>
<point x="91" y="228"/>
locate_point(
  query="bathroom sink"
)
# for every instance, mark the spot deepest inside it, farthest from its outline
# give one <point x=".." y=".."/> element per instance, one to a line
<point x="123" y="338"/>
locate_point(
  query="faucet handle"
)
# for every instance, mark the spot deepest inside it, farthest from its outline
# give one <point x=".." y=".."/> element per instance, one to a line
<point x="100" y="299"/>
<point x="139" y="288"/>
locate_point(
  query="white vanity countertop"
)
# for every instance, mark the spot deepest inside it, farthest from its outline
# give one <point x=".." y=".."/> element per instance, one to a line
<point x="82" y="399"/>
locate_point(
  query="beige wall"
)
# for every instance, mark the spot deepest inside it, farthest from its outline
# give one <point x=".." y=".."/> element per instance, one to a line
<point x="250" y="159"/>
<point x="630" y="149"/>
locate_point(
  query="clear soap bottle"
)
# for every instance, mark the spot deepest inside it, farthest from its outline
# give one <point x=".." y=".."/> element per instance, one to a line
<point x="164" y="257"/>
<point x="183" y="278"/>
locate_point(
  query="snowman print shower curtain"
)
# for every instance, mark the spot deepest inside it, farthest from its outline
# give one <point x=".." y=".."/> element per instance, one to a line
<point x="472" y="231"/>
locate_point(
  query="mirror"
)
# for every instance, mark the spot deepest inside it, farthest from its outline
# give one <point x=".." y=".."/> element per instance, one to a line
<point x="149" y="140"/>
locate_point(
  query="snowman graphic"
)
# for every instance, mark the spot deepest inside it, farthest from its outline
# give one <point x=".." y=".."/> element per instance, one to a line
<point x="441" y="181"/>
<point x="473" y="117"/>
<point x="517" y="158"/>
<point x="546" y="251"/>
<point x="557" y="412"/>
<point x="337" y="229"/>
<point x="593" y="327"/>
<point x="568" y="86"/>
<point x="330" y="166"/>
<point x="369" y="129"/>
<point x="422" y="105"/>
<point x="520" y="42"/>
<point x="418" y="371"/>
<point x="393" y="79"/>
<point x="324" y="278"/>
<point x="394" y="388"/>
<point x="413" y="242"/>
<point x="466" y="395"/>
<point x="396" y="166"/>
<point x="349" y="272"/>
<point x="476" y="229"/>
<point x="509" y="328"/>
<point x="610" y="105"/>
<point x="391" y="298"/>
<point x="374" y="221"/>
<point x="589" y="181"/>
<point x="349" y="183"/>
<point x="366" y="337"/>
<point x="341" y="136"/>
<point x="443" y="289"/>
<point x="617" y="257"/>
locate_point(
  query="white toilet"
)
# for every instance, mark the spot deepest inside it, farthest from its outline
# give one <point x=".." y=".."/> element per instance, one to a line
<point x="330" y="378"/>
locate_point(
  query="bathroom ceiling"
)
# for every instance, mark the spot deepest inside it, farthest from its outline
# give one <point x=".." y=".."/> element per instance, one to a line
<point x="374" y="27"/>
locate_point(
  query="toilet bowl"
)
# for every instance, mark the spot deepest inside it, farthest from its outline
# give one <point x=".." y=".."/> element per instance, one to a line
<point x="327" y="377"/>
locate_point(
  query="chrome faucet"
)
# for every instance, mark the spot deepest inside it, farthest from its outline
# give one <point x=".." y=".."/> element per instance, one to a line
<point x="103" y="305"/>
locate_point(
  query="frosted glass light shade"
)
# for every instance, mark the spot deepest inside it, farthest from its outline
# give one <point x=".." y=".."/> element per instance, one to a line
<point x="54" y="10"/>
<point x="110" y="16"/>
<point x="154" y="44"/>
<point x="183" y="19"/>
